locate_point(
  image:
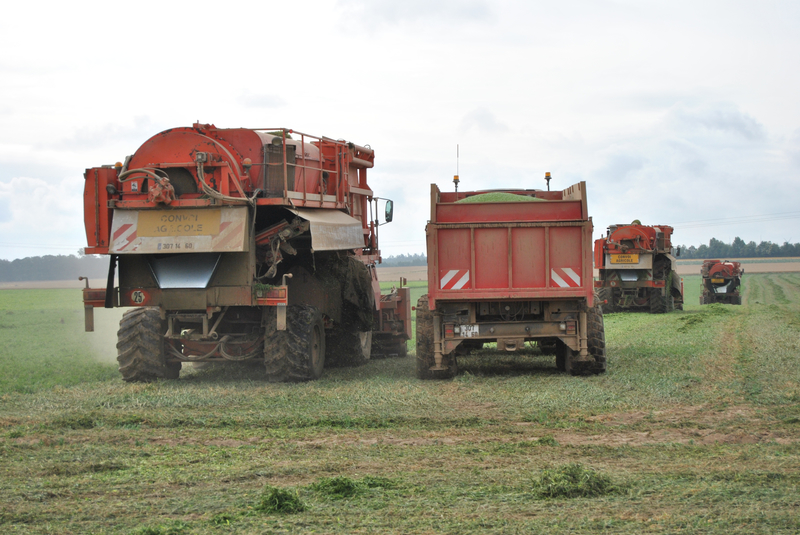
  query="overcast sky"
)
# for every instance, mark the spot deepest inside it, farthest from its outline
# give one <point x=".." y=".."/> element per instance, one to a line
<point x="673" y="112"/>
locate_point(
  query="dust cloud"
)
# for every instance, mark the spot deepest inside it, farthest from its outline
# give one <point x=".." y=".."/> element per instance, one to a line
<point x="103" y="341"/>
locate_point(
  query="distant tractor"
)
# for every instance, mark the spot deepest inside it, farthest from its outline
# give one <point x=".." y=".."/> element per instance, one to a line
<point x="637" y="270"/>
<point x="721" y="281"/>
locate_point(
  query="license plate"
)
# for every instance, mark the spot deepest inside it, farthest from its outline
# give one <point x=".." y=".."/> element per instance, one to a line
<point x="624" y="258"/>
<point x="192" y="222"/>
<point x="469" y="331"/>
<point x="717" y="281"/>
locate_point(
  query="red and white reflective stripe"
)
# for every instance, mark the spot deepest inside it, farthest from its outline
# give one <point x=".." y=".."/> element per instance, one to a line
<point x="564" y="278"/>
<point x="455" y="279"/>
<point x="226" y="234"/>
<point x="124" y="236"/>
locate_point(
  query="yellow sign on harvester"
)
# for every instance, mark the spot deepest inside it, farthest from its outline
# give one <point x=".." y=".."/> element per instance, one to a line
<point x="192" y="222"/>
<point x="624" y="258"/>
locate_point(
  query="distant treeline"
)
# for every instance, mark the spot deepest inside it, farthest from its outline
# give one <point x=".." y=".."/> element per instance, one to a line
<point x="405" y="260"/>
<point x="53" y="268"/>
<point x="740" y="249"/>
<point x="68" y="267"/>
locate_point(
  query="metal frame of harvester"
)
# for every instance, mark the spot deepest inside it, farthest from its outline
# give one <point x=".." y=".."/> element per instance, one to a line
<point x="637" y="269"/>
<point x="240" y="245"/>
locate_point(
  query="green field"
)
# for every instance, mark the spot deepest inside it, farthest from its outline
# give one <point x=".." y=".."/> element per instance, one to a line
<point x="694" y="429"/>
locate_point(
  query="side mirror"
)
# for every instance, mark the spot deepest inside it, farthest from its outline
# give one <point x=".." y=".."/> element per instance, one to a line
<point x="389" y="211"/>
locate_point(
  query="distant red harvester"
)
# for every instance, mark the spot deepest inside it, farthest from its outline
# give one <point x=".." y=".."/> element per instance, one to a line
<point x="242" y="244"/>
<point x="509" y="272"/>
<point x="637" y="269"/>
<point x="721" y="281"/>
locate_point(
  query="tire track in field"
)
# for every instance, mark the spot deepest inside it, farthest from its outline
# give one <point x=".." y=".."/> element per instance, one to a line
<point x="767" y="340"/>
<point x="780" y="290"/>
<point x="793" y="286"/>
<point x="755" y="289"/>
<point x="719" y="365"/>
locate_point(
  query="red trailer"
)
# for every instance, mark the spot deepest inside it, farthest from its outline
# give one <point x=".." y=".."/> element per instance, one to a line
<point x="509" y="272"/>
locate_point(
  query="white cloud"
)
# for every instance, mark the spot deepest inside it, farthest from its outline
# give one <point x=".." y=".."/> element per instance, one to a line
<point x="482" y="120"/>
<point x="261" y="101"/>
<point x="44" y="218"/>
<point x="667" y="116"/>
<point x="391" y="12"/>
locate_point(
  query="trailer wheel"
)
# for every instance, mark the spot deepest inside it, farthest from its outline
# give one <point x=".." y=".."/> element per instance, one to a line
<point x="425" y="354"/>
<point x="141" y="350"/>
<point x="596" y="339"/>
<point x="349" y="348"/>
<point x="298" y="353"/>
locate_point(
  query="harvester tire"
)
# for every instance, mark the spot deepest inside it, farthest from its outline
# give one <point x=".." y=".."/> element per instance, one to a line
<point x="659" y="304"/>
<point x="349" y="348"/>
<point x="141" y="350"/>
<point x="606" y="294"/>
<point x="298" y="353"/>
<point x="384" y="347"/>
<point x="425" y="353"/>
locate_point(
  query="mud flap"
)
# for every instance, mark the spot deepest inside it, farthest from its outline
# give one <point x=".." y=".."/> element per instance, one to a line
<point x="281" y="313"/>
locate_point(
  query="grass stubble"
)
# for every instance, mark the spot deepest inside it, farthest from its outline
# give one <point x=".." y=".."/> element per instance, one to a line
<point x="693" y="430"/>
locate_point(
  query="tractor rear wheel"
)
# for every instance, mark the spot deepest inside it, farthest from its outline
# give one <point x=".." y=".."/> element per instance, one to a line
<point x="298" y="353"/>
<point x="425" y="353"/>
<point x="141" y="348"/>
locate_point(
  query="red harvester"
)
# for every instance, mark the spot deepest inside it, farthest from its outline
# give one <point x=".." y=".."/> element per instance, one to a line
<point x="637" y="269"/>
<point x="242" y="245"/>
<point x="721" y="281"/>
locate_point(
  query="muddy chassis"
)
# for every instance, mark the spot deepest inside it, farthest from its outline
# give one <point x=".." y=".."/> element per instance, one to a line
<point x="656" y="294"/>
<point x="708" y="298"/>
<point x="568" y="328"/>
<point x="154" y="344"/>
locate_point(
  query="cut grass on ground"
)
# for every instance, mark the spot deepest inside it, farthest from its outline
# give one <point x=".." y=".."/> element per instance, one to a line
<point x="694" y="429"/>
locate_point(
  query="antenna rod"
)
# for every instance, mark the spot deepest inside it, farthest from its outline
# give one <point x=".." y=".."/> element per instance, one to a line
<point x="455" y="178"/>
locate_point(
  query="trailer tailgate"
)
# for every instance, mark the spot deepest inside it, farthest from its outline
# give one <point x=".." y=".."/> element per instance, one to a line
<point x="517" y="250"/>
